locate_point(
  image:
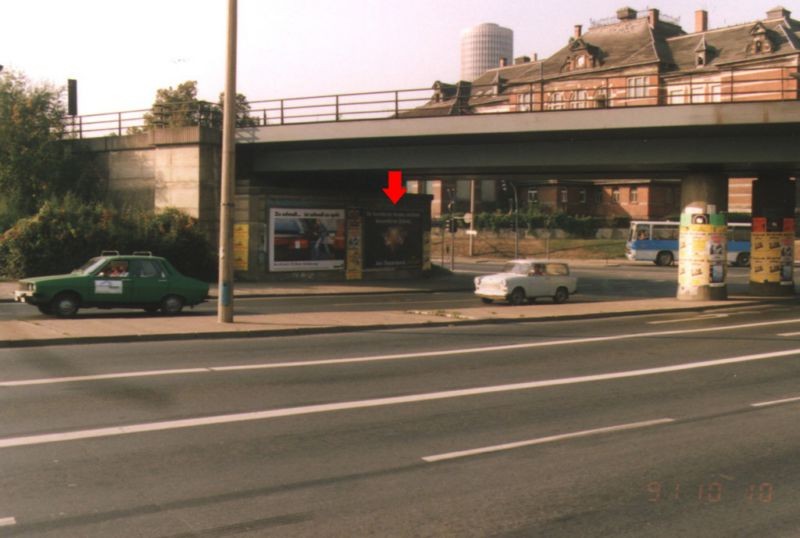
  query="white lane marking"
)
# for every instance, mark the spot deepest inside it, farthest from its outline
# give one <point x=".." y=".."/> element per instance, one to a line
<point x="684" y="320"/>
<point x="776" y="402"/>
<point x="7" y="521"/>
<point x="375" y="402"/>
<point x="543" y="440"/>
<point x="789" y="334"/>
<point x="377" y="358"/>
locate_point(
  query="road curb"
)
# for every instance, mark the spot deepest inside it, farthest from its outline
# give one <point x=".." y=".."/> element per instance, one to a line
<point x="310" y="331"/>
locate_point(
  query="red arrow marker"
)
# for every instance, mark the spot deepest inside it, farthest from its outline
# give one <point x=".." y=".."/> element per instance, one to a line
<point x="395" y="190"/>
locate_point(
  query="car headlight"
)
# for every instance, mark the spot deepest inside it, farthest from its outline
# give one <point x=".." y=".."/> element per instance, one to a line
<point x="477" y="281"/>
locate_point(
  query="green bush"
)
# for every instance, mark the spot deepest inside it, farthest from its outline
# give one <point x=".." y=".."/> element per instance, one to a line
<point x="580" y="226"/>
<point x="64" y="234"/>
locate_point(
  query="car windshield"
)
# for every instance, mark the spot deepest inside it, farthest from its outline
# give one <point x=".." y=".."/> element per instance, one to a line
<point x="517" y="268"/>
<point x="89" y="266"/>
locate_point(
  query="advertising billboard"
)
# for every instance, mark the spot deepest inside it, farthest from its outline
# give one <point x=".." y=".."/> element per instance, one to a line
<point x="303" y="239"/>
<point x="392" y="239"/>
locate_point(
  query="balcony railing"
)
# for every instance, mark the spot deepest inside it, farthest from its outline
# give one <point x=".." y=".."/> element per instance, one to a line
<point x="572" y="91"/>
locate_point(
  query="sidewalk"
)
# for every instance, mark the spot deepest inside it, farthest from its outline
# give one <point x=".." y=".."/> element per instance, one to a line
<point x="97" y="326"/>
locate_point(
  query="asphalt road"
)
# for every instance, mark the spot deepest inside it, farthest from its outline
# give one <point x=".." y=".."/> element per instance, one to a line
<point x="661" y="425"/>
<point x="594" y="284"/>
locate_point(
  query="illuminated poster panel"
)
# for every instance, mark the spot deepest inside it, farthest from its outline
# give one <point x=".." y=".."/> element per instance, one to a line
<point x="392" y="239"/>
<point x="306" y="239"/>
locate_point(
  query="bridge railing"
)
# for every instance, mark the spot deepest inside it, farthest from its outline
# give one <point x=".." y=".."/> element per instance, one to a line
<point x="778" y="83"/>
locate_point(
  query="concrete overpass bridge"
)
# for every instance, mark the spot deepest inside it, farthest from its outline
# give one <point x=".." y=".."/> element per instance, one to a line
<point x="702" y="144"/>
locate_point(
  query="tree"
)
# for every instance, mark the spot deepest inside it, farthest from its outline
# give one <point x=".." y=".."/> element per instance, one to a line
<point x="243" y="118"/>
<point x="35" y="163"/>
<point x="180" y="107"/>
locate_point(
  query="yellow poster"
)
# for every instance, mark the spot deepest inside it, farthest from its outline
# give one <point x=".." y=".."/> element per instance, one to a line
<point x="241" y="247"/>
<point x="355" y="246"/>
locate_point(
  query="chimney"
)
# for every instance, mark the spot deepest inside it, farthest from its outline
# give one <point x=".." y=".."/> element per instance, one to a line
<point x="700" y="20"/>
<point x="503" y="61"/>
<point x="626" y="13"/>
<point x="779" y="13"/>
<point x="535" y="56"/>
<point x="652" y="16"/>
<point x="578" y="31"/>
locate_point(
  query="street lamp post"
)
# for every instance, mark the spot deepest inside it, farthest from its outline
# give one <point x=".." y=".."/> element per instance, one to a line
<point x="225" y="284"/>
<point x="506" y="184"/>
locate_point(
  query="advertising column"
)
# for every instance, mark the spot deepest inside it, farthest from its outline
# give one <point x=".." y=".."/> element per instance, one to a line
<point x="772" y="255"/>
<point x="702" y="256"/>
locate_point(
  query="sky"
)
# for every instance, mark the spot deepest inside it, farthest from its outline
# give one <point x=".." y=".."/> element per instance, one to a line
<point x="121" y="52"/>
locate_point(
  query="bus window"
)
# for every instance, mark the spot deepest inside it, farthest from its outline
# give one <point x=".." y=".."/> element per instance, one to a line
<point x="663" y="232"/>
<point x="641" y="232"/>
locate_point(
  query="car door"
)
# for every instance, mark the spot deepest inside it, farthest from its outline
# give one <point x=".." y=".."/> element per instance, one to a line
<point x="150" y="282"/>
<point x="537" y="281"/>
<point x="111" y="284"/>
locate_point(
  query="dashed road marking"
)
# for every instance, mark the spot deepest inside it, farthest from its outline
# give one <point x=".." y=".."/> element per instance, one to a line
<point x="776" y="402"/>
<point x="544" y="440"/>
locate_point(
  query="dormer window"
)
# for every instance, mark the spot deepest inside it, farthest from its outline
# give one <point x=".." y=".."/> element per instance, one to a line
<point x="761" y="42"/>
<point x="702" y="53"/>
<point x="580" y="62"/>
<point x="582" y="55"/>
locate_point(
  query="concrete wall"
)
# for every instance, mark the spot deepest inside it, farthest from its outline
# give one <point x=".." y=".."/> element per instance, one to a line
<point x="177" y="167"/>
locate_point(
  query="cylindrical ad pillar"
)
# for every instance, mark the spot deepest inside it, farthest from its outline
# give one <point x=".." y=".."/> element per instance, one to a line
<point x="702" y="251"/>
<point x="772" y="236"/>
<point x="702" y="266"/>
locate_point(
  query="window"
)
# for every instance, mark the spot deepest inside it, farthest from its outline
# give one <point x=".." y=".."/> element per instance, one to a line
<point x="578" y="99"/>
<point x="633" y="196"/>
<point x="147" y="269"/>
<point x="580" y="62"/>
<point x="677" y="96"/>
<point x="555" y="101"/>
<point x="462" y="190"/>
<point x="615" y="195"/>
<point x="525" y="102"/>
<point x="637" y="87"/>
<point x="533" y="196"/>
<point x="488" y="190"/>
<point x="582" y="196"/>
<point x="564" y="196"/>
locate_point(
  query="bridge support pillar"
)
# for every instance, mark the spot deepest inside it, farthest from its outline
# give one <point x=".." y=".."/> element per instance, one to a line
<point x="772" y="236"/>
<point x="702" y="267"/>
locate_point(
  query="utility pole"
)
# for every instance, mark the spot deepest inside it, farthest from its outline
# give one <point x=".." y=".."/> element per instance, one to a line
<point x="225" y="290"/>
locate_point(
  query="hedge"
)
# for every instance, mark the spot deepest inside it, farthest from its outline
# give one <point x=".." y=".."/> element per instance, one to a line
<point x="66" y="233"/>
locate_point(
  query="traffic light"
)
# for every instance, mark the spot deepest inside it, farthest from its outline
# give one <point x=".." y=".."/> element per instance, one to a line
<point x="452" y="225"/>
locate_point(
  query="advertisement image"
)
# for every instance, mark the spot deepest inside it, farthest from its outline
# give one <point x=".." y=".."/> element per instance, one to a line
<point x="307" y="239"/>
<point x="392" y="239"/>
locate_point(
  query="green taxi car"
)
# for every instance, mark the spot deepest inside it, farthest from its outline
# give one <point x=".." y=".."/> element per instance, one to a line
<point x="140" y="280"/>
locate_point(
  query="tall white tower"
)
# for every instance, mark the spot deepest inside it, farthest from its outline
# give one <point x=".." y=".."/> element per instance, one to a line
<point x="482" y="47"/>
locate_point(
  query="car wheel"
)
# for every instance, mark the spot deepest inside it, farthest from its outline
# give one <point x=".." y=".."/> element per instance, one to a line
<point x="517" y="297"/>
<point x="664" y="258"/>
<point x="171" y="305"/>
<point x="486" y="300"/>
<point x="562" y="294"/>
<point x="65" y="305"/>
<point x="152" y="309"/>
<point x="45" y="309"/>
<point x="743" y="259"/>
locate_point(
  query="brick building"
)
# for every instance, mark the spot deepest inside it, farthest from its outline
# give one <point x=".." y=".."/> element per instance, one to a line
<point x="635" y="59"/>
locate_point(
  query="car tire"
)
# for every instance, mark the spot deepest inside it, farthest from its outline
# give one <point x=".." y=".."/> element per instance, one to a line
<point x="664" y="258"/>
<point x="562" y="294"/>
<point x="65" y="305"/>
<point x="486" y="300"/>
<point x="743" y="259"/>
<point x="45" y="309"/>
<point x="517" y="297"/>
<point x="172" y="305"/>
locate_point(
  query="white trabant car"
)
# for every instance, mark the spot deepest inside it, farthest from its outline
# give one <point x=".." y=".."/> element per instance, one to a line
<point x="524" y="281"/>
